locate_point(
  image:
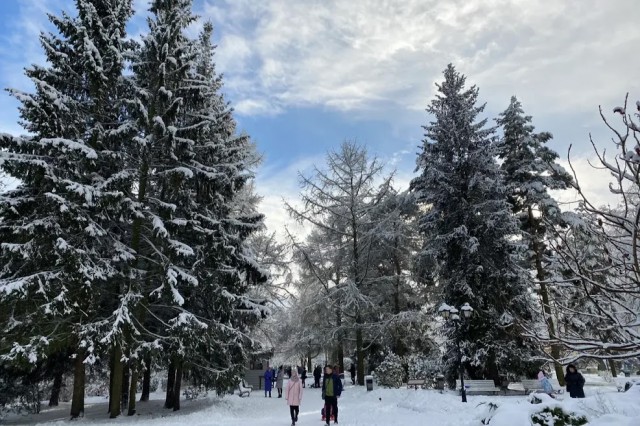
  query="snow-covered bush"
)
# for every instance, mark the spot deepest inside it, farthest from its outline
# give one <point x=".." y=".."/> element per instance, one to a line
<point x="423" y="367"/>
<point x="19" y="397"/>
<point x="490" y="409"/>
<point x="390" y="372"/>
<point x="557" y="417"/>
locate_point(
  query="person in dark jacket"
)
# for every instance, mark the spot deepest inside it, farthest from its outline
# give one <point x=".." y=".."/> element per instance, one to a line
<point x="317" y="375"/>
<point x="331" y="391"/>
<point x="574" y="381"/>
<point x="303" y="377"/>
<point x="352" y="370"/>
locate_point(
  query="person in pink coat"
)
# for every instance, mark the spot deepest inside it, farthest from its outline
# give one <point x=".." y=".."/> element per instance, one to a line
<point x="294" y="395"/>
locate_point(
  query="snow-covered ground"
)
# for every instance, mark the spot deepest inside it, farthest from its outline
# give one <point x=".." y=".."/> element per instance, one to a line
<point x="604" y="406"/>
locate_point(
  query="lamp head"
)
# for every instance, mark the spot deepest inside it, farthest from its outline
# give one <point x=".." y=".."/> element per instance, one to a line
<point x="467" y="310"/>
<point x="444" y="310"/>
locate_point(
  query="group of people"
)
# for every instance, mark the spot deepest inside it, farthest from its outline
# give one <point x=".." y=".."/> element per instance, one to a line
<point x="331" y="390"/>
<point x="573" y="380"/>
<point x="332" y="387"/>
<point x="271" y="376"/>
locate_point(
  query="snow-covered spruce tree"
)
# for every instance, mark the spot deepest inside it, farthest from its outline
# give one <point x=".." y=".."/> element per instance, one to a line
<point x="469" y="235"/>
<point x="339" y="201"/>
<point x="60" y="229"/>
<point x="194" y="179"/>
<point x="530" y="172"/>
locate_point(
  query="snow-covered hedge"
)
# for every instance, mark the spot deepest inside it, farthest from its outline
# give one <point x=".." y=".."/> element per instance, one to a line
<point x="556" y="416"/>
<point x="390" y="373"/>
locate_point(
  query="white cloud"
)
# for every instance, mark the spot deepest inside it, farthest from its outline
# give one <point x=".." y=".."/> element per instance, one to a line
<point x="593" y="180"/>
<point x="557" y="56"/>
<point x="278" y="184"/>
<point x="256" y="106"/>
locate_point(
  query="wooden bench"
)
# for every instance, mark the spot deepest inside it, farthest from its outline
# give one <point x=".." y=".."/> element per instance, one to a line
<point x="479" y="387"/>
<point x="244" y="389"/>
<point x="414" y="383"/>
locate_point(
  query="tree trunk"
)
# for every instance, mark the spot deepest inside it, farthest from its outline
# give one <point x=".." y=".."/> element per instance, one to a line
<point x="110" y="381"/>
<point x="400" y="348"/>
<point x="340" y="347"/>
<point x="359" y="351"/>
<point x="546" y="306"/>
<point x="176" y="387"/>
<point x="132" y="391"/>
<point x="612" y="367"/>
<point x="125" y="386"/>
<point x="116" y="382"/>
<point x="309" y="366"/>
<point x="55" y="389"/>
<point x="146" y="380"/>
<point x="171" y="379"/>
<point x="77" y="401"/>
<point x="555" y="353"/>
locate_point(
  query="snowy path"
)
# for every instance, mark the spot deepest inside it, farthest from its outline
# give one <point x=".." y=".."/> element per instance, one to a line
<point x="357" y="408"/>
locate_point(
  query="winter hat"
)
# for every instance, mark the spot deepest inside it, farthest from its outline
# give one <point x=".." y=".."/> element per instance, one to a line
<point x="294" y="375"/>
<point x="540" y="375"/>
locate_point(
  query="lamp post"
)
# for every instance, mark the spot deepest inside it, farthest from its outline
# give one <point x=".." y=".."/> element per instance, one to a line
<point x="450" y="313"/>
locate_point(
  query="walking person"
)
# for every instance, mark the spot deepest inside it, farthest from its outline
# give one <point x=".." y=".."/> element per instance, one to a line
<point x="303" y="376"/>
<point x="352" y="370"/>
<point x="279" y="380"/>
<point x="547" y="387"/>
<point x="331" y="391"/>
<point x="268" y="382"/>
<point x="574" y="381"/>
<point x="317" y="375"/>
<point x="294" y="396"/>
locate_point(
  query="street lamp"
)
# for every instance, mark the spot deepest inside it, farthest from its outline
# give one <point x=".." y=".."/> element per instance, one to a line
<point x="450" y="313"/>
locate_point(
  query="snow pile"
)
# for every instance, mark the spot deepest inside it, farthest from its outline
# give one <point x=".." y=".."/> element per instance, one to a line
<point x="598" y="409"/>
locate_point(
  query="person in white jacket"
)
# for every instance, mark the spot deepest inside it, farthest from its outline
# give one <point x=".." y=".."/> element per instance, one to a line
<point x="294" y="396"/>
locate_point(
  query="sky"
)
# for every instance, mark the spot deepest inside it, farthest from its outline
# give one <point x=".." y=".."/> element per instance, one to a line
<point x="305" y="75"/>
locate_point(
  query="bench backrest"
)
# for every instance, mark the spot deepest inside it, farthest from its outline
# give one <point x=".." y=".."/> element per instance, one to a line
<point x="531" y="384"/>
<point x="416" y="381"/>
<point x="477" y="384"/>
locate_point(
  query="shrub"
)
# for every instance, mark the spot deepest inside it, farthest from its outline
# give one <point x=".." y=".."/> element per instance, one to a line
<point x="390" y="372"/>
<point x="423" y="367"/>
<point x="557" y="417"/>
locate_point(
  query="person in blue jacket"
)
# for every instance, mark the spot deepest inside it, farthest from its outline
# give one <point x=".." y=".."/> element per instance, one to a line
<point x="268" y="382"/>
<point x="331" y="391"/>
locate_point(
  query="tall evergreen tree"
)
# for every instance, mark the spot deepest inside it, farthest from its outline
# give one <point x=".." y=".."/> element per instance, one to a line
<point x="194" y="175"/>
<point x="531" y="171"/>
<point x="470" y="234"/>
<point x="60" y="229"/>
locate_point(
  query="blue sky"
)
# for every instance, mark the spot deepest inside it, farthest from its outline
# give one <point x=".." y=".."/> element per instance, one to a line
<point x="305" y="75"/>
